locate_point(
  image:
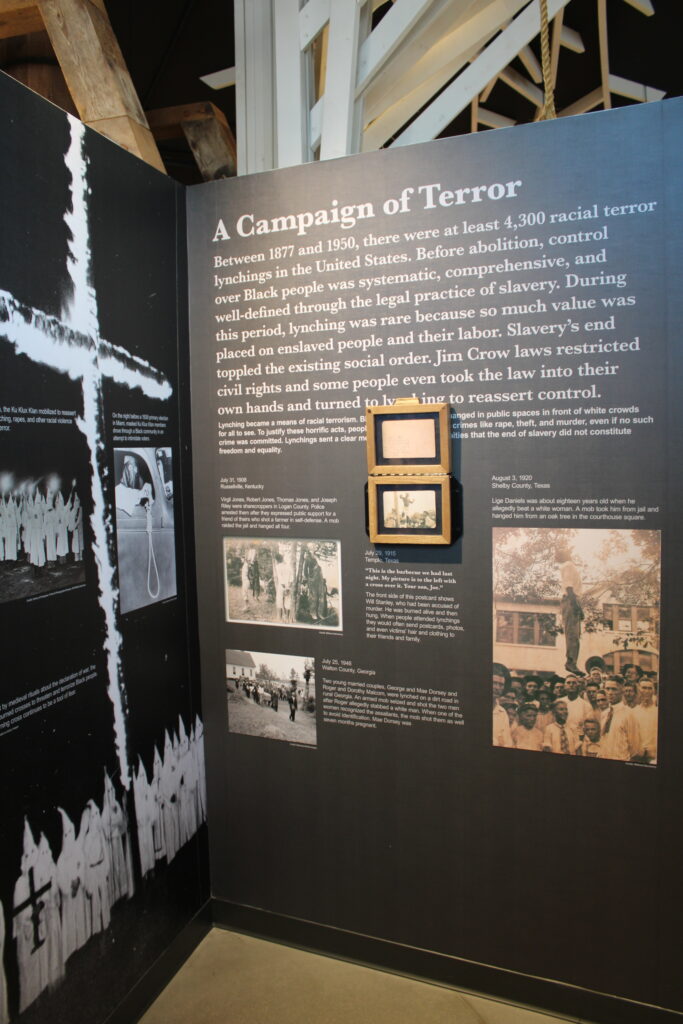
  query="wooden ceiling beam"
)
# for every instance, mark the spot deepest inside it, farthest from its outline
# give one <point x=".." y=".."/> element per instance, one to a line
<point x="571" y="40"/>
<point x="213" y="147"/>
<point x="19" y="18"/>
<point x="493" y="120"/>
<point x="634" y="90"/>
<point x="588" y="102"/>
<point x="644" y="6"/>
<point x="96" y="74"/>
<point x="531" y="63"/>
<point x="521" y="85"/>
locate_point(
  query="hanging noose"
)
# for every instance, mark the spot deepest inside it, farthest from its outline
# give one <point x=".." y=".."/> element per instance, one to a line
<point x="549" y="99"/>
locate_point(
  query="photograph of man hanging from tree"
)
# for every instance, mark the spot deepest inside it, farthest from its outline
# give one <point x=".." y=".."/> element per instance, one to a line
<point x="576" y="641"/>
<point x="283" y="582"/>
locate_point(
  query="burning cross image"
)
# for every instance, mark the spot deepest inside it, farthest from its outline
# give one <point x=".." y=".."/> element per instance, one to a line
<point x="71" y="344"/>
<point x="37" y="906"/>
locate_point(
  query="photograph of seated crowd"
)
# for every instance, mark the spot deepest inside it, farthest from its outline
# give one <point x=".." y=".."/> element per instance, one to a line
<point x="576" y="642"/>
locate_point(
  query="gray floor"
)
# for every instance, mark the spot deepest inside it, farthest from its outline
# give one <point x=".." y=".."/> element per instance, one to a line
<point x="236" y="979"/>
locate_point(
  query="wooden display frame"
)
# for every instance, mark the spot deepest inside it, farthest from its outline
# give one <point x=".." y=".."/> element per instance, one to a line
<point x="389" y="501"/>
<point x="398" y="434"/>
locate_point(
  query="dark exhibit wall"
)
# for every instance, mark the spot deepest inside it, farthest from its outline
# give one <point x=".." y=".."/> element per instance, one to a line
<point x="100" y="727"/>
<point x="357" y="778"/>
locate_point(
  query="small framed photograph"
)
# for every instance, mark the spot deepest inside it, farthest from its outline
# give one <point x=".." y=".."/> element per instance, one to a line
<point x="408" y="437"/>
<point x="410" y="509"/>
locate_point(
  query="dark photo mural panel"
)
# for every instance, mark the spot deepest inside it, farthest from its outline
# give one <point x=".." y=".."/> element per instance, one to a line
<point x="100" y="726"/>
<point x="527" y="279"/>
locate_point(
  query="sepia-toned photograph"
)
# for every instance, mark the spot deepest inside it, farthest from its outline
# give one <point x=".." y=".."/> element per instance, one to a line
<point x="271" y="695"/>
<point x="576" y="641"/>
<point x="283" y="582"/>
<point x="145" y="526"/>
<point x="409" y="509"/>
<point x="41" y="533"/>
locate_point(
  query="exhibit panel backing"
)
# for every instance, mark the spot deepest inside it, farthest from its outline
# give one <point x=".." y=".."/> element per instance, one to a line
<point x="381" y="721"/>
<point x="103" y="859"/>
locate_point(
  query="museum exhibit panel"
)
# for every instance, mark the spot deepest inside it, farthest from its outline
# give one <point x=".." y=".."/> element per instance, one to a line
<point x="104" y="852"/>
<point x="186" y="379"/>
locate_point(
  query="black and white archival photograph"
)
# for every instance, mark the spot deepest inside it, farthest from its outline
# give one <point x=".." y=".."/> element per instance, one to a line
<point x="283" y="582"/>
<point x="41" y="532"/>
<point x="409" y="509"/>
<point x="271" y="695"/>
<point x="576" y="641"/>
<point x="145" y="531"/>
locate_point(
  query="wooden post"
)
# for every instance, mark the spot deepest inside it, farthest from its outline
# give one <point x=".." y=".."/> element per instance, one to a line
<point x="208" y="134"/>
<point x="96" y="74"/>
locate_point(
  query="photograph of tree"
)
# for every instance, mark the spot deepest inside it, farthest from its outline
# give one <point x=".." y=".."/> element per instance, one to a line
<point x="411" y="508"/>
<point x="576" y="641"/>
<point x="271" y="695"/>
<point x="283" y="582"/>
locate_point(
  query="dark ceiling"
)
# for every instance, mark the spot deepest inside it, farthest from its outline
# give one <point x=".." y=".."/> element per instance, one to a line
<point x="168" y="46"/>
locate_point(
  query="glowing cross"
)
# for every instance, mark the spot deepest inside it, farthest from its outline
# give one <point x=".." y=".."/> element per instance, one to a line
<point x="71" y="344"/>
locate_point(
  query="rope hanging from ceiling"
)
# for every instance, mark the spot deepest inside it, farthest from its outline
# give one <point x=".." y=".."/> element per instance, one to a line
<point x="549" y="104"/>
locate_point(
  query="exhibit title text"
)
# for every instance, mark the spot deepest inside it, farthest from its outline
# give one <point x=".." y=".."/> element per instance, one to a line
<point x="425" y="197"/>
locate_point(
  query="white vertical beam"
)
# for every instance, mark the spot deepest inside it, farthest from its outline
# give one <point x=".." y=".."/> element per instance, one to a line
<point x="254" y="92"/>
<point x="489" y="63"/>
<point x="291" y="95"/>
<point x="338" y="117"/>
<point x="312" y="19"/>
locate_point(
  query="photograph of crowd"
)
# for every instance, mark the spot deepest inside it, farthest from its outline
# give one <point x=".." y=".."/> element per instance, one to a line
<point x="41" y="535"/>
<point x="576" y="642"/>
<point x="283" y="582"/>
<point x="271" y="695"/>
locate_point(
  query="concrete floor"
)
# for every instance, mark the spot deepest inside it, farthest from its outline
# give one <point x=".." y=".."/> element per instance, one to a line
<point x="236" y="979"/>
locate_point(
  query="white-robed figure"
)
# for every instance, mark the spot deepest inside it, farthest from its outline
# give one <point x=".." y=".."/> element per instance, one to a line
<point x="9" y="521"/>
<point x="157" y="798"/>
<point x="30" y="925"/>
<point x="70" y="881"/>
<point x="35" y="529"/>
<point x="75" y="524"/>
<point x="144" y="815"/>
<point x="46" y="878"/>
<point x="61" y="527"/>
<point x="198" y="750"/>
<point x="115" y="827"/>
<point x="4" y="1012"/>
<point x="52" y="516"/>
<point x="169" y="795"/>
<point x="97" y="868"/>
<point x="187" y="788"/>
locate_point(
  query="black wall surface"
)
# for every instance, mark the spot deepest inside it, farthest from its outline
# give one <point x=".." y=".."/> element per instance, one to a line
<point x="400" y="819"/>
<point x="59" y="690"/>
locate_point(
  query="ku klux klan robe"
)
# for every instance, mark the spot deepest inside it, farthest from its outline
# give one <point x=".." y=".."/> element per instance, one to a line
<point x="70" y="880"/>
